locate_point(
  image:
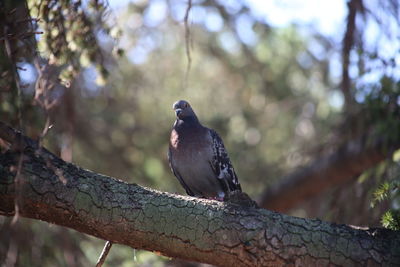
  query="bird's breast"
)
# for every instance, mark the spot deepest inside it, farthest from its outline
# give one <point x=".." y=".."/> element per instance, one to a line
<point x="189" y="147"/>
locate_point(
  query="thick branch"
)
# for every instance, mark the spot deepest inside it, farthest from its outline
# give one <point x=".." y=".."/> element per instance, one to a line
<point x="219" y="233"/>
<point x="348" y="162"/>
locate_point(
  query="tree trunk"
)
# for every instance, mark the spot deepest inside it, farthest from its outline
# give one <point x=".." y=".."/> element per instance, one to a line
<point x="44" y="187"/>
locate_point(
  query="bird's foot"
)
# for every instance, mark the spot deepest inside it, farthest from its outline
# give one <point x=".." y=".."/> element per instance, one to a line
<point x="241" y="198"/>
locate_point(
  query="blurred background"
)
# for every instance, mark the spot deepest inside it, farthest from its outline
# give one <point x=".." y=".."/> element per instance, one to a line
<point x="293" y="87"/>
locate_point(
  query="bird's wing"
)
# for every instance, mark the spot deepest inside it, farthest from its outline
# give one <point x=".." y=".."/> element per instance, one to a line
<point x="221" y="164"/>
<point x="177" y="175"/>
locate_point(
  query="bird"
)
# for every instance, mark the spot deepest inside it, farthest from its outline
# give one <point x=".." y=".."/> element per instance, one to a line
<point x="198" y="158"/>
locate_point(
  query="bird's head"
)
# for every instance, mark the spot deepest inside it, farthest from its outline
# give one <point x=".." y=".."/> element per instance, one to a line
<point x="183" y="110"/>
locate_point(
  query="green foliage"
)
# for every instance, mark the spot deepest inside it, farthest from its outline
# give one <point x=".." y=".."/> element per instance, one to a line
<point x="381" y="193"/>
<point x="71" y="34"/>
<point x="381" y="111"/>
<point x="391" y="219"/>
<point x="388" y="193"/>
<point x="382" y="108"/>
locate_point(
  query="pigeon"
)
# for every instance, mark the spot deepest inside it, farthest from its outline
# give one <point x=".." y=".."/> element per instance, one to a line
<point x="198" y="158"/>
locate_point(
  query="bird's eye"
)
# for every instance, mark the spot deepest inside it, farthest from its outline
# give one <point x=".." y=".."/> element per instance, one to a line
<point x="186" y="105"/>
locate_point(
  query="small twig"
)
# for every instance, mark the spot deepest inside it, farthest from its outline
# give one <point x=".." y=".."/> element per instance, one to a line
<point x="20" y="36"/>
<point x="18" y="182"/>
<point x="46" y="128"/>
<point x="104" y="254"/>
<point x="28" y="20"/>
<point x="12" y="11"/>
<point x="187" y="41"/>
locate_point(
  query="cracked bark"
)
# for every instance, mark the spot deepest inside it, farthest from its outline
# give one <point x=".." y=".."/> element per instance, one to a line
<point x="222" y="234"/>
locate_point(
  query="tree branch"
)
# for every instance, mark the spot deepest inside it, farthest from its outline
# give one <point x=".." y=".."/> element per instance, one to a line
<point x="348" y="162"/>
<point x="190" y="228"/>
<point x="353" y="6"/>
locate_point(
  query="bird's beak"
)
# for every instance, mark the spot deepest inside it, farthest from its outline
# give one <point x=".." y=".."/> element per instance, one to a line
<point x="178" y="112"/>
